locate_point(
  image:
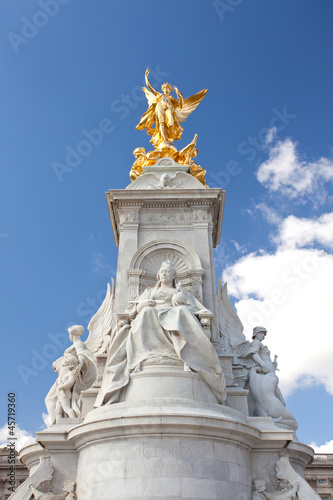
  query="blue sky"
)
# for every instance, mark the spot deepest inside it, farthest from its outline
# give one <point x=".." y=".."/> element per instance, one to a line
<point x="264" y="134"/>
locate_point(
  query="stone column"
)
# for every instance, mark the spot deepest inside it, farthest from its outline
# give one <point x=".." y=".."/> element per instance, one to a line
<point x="128" y="245"/>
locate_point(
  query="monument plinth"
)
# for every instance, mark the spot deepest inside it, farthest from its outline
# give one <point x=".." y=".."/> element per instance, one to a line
<point x="150" y="225"/>
<point x="166" y="399"/>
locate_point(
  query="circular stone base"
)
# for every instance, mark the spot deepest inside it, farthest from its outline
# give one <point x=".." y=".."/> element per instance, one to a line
<point x="166" y="378"/>
<point x="165" y="449"/>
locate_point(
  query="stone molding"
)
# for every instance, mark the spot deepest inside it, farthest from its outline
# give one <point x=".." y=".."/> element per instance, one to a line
<point x="128" y="206"/>
<point x="147" y="260"/>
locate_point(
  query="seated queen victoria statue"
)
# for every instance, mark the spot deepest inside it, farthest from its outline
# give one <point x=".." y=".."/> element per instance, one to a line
<point x="164" y="323"/>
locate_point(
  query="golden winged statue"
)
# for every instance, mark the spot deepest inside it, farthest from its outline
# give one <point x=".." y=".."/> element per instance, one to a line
<point x="166" y="113"/>
<point x="162" y="121"/>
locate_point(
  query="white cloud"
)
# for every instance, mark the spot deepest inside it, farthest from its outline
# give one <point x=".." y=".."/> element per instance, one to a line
<point x="239" y="248"/>
<point x="324" y="448"/>
<point x="269" y="213"/>
<point x="46" y="420"/>
<point x="285" y="171"/>
<point x="271" y="136"/>
<point x="250" y="212"/>
<point x="295" y="232"/>
<point x="289" y="292"/>
<point x="23" y="438"/>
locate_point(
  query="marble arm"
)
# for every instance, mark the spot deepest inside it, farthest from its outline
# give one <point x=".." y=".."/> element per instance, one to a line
<point x="145" y="303"/>
<point x="260" y="362"/>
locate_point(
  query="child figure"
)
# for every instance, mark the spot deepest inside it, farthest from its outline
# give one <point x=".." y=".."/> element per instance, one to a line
<point x="68" y="374"/>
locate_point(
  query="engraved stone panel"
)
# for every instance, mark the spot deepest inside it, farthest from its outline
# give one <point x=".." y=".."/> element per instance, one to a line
<point x="167" y="467"/>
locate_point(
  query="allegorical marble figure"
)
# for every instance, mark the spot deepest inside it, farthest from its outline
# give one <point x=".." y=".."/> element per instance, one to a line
<point x="164" y="324"/>
<point x="77" y="370"/>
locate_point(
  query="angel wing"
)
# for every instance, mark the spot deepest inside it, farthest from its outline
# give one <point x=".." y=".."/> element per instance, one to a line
<point x="230" y="326"/>
<point x="151" y="98"/>
<point x="189" y="105"/>
<point x="142" y="183"/>
<point x="148" y="118"/>
<point x="101" y="323"/>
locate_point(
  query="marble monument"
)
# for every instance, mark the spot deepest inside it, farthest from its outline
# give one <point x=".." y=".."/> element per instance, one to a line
<point x="167" y="398"/>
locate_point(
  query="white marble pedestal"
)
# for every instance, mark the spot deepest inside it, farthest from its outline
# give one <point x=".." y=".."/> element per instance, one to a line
<point x="164" y="449"/>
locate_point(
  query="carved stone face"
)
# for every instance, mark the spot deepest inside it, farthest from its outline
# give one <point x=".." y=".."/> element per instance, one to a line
<point x="166" y="273"/>
<point x="70" y="360"/>
<point x="260" y="335"/>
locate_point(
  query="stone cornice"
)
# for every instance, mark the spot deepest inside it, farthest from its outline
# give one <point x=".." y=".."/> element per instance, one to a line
<point x="190" y="200"/>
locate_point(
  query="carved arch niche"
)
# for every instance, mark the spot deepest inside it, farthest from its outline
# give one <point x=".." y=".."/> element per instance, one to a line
<point x="148" y="259"/>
